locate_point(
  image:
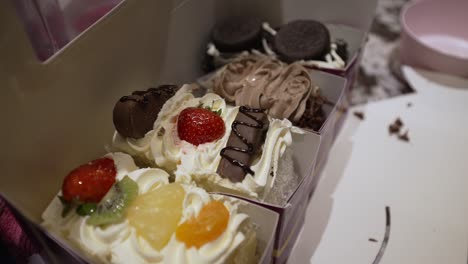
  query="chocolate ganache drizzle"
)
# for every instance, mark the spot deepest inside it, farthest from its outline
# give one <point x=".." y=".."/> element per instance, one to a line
<point x="245" y="141"/>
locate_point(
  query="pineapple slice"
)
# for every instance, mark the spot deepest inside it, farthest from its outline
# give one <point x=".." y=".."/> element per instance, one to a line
<point x="156" y="214"/>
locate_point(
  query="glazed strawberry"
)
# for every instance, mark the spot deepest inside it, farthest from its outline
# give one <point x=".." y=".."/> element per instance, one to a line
<point x="198" y="126"/>
<point x="89" y="182"/>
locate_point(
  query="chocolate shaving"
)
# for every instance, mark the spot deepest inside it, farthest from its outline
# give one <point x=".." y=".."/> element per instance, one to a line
<point x="373" y="240"/>
<point x="359" y="115"/>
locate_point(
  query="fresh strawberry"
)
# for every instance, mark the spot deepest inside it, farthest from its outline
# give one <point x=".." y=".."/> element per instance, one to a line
<point x="89" y="182"/>
<point x="198" y="126"/>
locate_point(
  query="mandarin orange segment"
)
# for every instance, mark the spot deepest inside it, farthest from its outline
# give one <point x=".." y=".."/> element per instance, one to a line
<point x="156" y="214"/>
<point x="211" y="222"/>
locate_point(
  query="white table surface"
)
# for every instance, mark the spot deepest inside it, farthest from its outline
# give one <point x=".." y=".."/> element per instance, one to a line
<point x="424" y="182"/>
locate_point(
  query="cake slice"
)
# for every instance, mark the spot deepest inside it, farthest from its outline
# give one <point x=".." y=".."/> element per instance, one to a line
<point x="220" y="147"/>
<point x="143" y="218"/>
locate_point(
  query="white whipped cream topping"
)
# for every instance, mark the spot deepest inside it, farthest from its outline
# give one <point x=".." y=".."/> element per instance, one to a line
<point x="200" y="163"/>
<point x="180" y="156"/>
<point x="137" y="250"/>
<point x="138" y="148"/>
<point x="265" y="167"/>
<point x="118" y="243"/>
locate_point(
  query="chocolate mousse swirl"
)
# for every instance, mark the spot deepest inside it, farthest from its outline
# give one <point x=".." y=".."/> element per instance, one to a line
<point x="287" y="94"/>
<point x="230" y="81"/>
<point x="261" y="82"/>
<point x="246" y="138"/>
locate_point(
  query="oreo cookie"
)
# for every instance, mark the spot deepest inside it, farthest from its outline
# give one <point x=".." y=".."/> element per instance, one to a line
<point x="302" y="40"/>
<point x="134" y="115"/>
<point x="237" y="34"/>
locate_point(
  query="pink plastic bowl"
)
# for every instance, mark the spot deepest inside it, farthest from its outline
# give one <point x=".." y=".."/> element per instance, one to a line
<point x="435" y="36"/>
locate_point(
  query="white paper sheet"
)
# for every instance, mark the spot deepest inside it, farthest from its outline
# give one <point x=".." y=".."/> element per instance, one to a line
<point x="424" y="182"/>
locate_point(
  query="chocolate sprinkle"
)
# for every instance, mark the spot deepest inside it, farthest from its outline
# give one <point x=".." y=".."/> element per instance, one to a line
<point x="359" y="115"/>
<point x="373" y="240"/>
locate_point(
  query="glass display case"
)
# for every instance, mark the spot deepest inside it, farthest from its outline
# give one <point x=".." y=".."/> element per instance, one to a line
<point x="51" y="24"/>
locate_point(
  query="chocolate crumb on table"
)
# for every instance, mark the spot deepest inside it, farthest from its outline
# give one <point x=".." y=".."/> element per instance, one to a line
<point x="373" y="240"/>
<point x="359" y="115"/>
<point x="395" y="127"/>
<point x="404" y="136"/>
<point x="409" y="104"/>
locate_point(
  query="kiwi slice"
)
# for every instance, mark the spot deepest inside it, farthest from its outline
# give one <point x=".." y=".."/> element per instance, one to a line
<point x="112" y="207"/>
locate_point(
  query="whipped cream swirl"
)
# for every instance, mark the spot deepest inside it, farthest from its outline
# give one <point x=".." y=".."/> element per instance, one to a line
<point x="172" y="153"/>
<point x="265" y="167"/>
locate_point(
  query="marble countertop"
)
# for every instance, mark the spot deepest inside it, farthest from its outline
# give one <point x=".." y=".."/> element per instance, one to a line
<point x="379" y="73"/>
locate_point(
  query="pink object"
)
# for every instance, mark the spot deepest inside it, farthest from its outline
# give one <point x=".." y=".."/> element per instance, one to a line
<point x="435" y="36"/>
<point x="88" y="18"/>
<point x="14" y="235"/>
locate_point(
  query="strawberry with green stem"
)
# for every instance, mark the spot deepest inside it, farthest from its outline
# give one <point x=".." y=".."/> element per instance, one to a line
<point x="86" y="185"/>
<point x="198" y="126"/>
